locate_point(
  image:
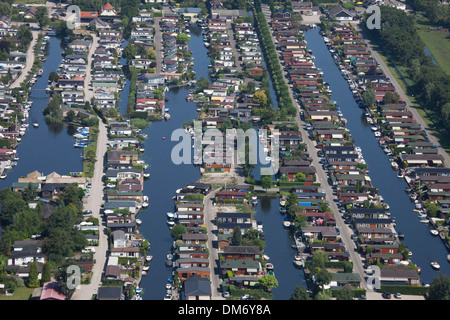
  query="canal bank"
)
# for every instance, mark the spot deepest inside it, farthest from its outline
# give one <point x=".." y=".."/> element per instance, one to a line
<point x="421" y="243"/>
<point x="46" y="148"/>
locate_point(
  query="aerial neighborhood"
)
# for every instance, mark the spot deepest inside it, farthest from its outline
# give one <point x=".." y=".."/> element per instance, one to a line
<point x="350" y="182"/>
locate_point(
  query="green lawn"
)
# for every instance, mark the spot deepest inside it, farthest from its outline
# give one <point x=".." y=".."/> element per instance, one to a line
<point x="21" y="293"/>
<point x="437" y="41"/>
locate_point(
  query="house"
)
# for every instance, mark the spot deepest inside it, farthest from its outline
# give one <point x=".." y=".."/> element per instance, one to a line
<point x="108" y="11"/>
<point x="341" y="279"/>
<point x="236" y="268"/>
<point x="241" y="253"/>
<point x="52" y="291"/>
<point x="340" y="13"/>
<point x="320" y="233"/>
<point x="197" y="289"/>
<point x="399" y="276"/>
<point x="25" y="252"/>
<point x="110" y="293"/>
<point x="119" y="239"/>
<point x="130" y="252"/>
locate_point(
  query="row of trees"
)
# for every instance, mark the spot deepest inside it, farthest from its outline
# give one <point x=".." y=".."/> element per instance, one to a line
<point x="430" y="85"/>
<point x="273" y="65"/>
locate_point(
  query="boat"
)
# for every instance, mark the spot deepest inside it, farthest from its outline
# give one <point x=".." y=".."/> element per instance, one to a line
<point x="435" y="265"/>
<point x="400" y="174"/>
<point x="298" y="263"/>
<point x="146" y="175"/>
<point x="269" y="266"/>
<point x="283" y="210"/>
<point x="286" y="224"/>
<point x="448" y="257"/>
<point x="170" y="215"/>
<point x="168" y="297"/>
<point x="168" y="286"/>
<point x="145" y="202"/>
<point x="394" y="165"/>
<point x="148" y="258"/>
<point x="266" y="257"/>
<point x="434" y="232"/>
<point x="79" y="145"/>
<point x="35" y="124"/>
<point x="298" y="258"/>
<point x="144" y="273"/>
<point x="139" y="290"/>
<point x="145" y="268"/>
<point x="424" y="221"/>
<point x="138" y="221"/>
<point x="3" y="176"/>
<point x="171" y="223"/>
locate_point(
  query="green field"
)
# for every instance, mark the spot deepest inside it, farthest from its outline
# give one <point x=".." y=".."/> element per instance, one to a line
<point x="22" y="293"/>
<point x="437" y="41"/>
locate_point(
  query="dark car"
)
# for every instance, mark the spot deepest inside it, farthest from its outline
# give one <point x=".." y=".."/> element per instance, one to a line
<point x="386" y="295"/>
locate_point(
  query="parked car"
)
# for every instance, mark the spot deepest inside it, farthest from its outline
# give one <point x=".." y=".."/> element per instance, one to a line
<point x="386" y="295"/>
<point x="398" y="296"/>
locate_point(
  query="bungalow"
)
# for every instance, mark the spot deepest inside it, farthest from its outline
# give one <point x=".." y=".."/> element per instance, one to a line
<point x="369" y="233"/>
<point x="320" y="233"/>
<point x="223" y="217"/>
<point x="233" y="268"/>
<point x="229" y="227"/>
<point x="241" y="253"/>
<point x="227" y="195"/>
<point x="341" y="279"/>
<point x="130" y="252"/>
<point x="399" y="276"/>
<point x="195" y="272"/>
<point x="197" y="289"/>
<point x="25" y="252"/>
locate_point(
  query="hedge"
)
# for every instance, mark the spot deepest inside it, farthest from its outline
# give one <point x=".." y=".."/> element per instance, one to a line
<point x="411" y="290"/>
<point x="355" y="292"/>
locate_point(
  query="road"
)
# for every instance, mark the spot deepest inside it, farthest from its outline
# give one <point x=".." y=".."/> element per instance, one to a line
<point x="345" y="231"/>
<point x="93" y="203"/>
<point x="29" y="62"/>
<point x="88" y="89"/>
<point x="403" y="96"/>
<point x="158" y="46"/>
<point x="95" y="199"/>
<point x="212" y="238"/>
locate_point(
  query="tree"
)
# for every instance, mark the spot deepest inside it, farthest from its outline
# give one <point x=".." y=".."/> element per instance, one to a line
<point x="24" y="35"/>
<point x="53" y="76"/>
<point x="42" y="16"/>
<point x="260" y="97"/>
<point x="323" y="277"/>
<point x="29" y="193"/>
<point x="268" y="282"/>
<point x="368" y="97"/>
<point x="237" y="237"/>
<point x="177" y="231"/>
<point x="70" y="116"/>
<point x="300" y="293"/>
<point x="33" y="281"/>
<point x="266" y="182"/>
<point x="318" y="260"/>
<point x="440" y="288"/>
<point x="5" y="9"/>
<point x="182" y="38"/>
<point x="46" y="273"/>
<point x="344" y="293"/>
<point x="130" y="51"/>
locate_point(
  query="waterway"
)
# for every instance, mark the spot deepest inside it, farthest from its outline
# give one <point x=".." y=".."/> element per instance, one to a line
<point x="165" y="176"/>
<point x="46" y="148"/>
<point x="421" y="243"/>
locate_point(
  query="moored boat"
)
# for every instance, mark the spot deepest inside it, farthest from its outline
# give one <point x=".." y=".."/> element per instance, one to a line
<point x="434" y="232"/>
<point x="435" y="265"/>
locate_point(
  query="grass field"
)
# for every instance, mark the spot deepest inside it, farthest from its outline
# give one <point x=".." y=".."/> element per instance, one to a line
<point x="22" y="293"/>
<point x="437" y="41"/>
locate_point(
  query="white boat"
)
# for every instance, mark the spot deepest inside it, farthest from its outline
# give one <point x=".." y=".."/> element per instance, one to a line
<point x="287" y="223"/>
<point x="170" y="215"/>
<point x="168" y="286"/>
<point x="138" y="221"/>
<point x="35" y="124"/>
<point x="400" y="174"/>
<point x="171" y="223"/>
<point x="145" y="202"/>
<point x="3" y="176"/>
<point x="145" y="268"/>
<point x="424" y="221"/>
<point x="139" y="290"/>
<point x="435" y="265"/>
<point x="146" y="175"/>
<point x="148" y="258"/>
<point x="434" y="232"/>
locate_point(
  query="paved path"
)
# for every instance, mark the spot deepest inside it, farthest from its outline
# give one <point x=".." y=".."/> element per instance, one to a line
<point x="29" y="62"/>
<point x="404" y="97"/>
<point x="88" y="88"/>
<point x="94" y="202"/>
<point x="212" y="239"/>
<point x="158" y="46"/>
<point x="95" y="199"/>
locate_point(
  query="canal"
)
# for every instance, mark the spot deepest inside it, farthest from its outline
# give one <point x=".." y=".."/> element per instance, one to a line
<point x="421" y="243"/>
<point x="165" y="176"/>
<point x="46" y="148"/>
